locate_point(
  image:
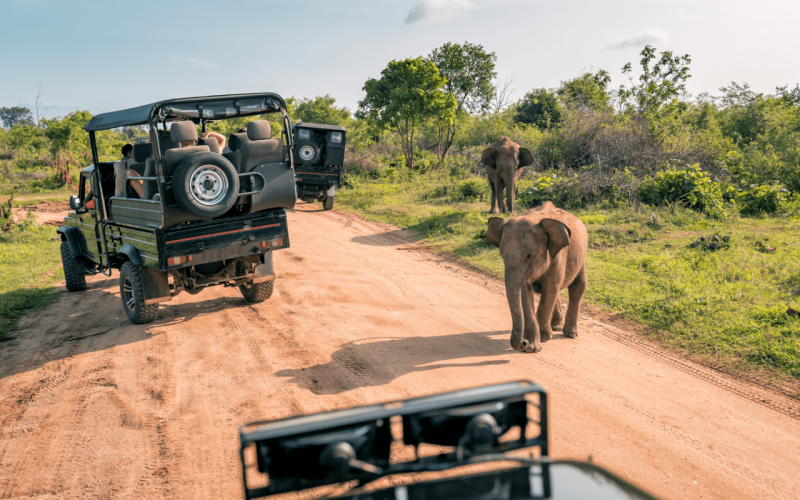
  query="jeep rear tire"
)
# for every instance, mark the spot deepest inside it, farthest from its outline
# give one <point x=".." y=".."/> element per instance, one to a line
<point x="132" y="292"/>
<point x="327" y="202"/>
<point x="257" y="292"/>
<point x="74" y="280"/>
<point x="205" y="184"/>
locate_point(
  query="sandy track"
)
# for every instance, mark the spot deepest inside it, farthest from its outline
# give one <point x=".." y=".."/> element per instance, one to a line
<point x="94" y="407"/>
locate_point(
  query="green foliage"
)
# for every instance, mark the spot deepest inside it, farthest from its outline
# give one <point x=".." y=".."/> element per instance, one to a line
<point x="691" y="187"/>
<point x="763" y="199"/>
<point x="539" y="107"/>
<point x="323" y="110"/>
<point x="473" y="188"/>
<point x="588" y="90"/>
<point x="15" y="116"/>
<point x="408" y="93"/>
<point x="468" y="71"/>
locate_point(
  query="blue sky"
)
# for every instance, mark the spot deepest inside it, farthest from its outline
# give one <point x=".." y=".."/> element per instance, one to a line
<point x="105" y="55"/>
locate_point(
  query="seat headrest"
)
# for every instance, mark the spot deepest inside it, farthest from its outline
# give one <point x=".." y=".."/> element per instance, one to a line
<point x="212" y="143"/>
<point x="235" y="141"/>
<point x="182" y="131"/>
<point x="259" y="130"/>
<point x="142" y="151"/>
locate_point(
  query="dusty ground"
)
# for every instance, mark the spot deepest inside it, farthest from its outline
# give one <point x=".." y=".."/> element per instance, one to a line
<point x="94" y="407"/>
<point x="47" y="212"/>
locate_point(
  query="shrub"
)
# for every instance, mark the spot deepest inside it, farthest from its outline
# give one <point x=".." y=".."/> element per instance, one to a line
<point x="473" y="188"/>
<point x="763" y="199"/>
<point x="691" y="187"/>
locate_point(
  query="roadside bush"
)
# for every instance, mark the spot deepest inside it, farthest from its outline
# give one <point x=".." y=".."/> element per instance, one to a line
<point x="691" y="187"/>
<point x="763" y="199"/>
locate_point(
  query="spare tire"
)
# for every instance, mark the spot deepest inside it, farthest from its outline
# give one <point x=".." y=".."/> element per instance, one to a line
<point x="205" y="184"/>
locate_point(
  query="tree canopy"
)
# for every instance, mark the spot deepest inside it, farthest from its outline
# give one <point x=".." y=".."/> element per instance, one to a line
<point x="15" y="115"/>
<point x="321" y="109"/>
<point x="539" y="107"/>
<point x="408" y="92"/>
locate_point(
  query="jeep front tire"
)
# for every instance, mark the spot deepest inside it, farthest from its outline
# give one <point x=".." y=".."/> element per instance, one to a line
<point x="132" y="292"/>
<point x="74" y="280"/>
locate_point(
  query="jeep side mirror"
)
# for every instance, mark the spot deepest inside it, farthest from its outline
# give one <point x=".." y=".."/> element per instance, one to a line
<point x="74" y="202"/>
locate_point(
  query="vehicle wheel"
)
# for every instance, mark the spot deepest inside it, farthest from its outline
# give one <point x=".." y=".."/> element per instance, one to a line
<point x="257" y="292"/>
<point x="327" y="202"/>
<point x="132" y="292"/>
<point x="306" y="152"/>
<point x="75" y="280"/>
<point x="205" y="184"/>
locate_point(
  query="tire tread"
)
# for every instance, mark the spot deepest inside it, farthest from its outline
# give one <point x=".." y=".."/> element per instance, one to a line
<point x="74" y="280"/>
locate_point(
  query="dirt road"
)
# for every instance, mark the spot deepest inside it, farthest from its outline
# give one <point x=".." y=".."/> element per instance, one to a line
<point x="94" y="407"/>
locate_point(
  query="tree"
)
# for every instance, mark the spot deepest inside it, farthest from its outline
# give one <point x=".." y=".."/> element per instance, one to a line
<point x="321" y="109"/>
<point x="502" y="95"/>
<point x="655" y="97"/>
<point x="587" y="91"/>
<point x="408" y="93"/>
<point x="468" y="70"/>
<point x="539" y="107"/>
<point x="15" y="115"/>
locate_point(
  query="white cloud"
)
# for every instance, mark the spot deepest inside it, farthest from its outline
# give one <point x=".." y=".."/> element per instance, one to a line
<point x="193" y="61"/>
<point x="647" y="36"/>
<point x="437" y="10"/>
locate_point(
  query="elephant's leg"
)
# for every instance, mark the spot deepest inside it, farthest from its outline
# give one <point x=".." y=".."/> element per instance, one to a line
<point x="576" y="291"/>
<point x="531" y="330"/>
<point x="494" y="208"/>
<point x="545" y="312"/>
<point x="501" y="203"/>
<point x="557" y="321"/>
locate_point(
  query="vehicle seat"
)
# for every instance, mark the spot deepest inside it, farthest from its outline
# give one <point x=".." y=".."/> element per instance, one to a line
<point x="236" y="140"/>
<point x="165" y="143"/>
<point x="180" y="132"/>
<point x="260" y="149"/>
<point x="212" y="143"/>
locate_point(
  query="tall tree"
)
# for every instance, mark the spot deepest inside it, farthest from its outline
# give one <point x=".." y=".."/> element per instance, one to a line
<point x="469" y="71"/>
<point x="321" y="109"/>
<point x="539" y="107"/>
<point x="15" y="115"/>
<point x="656" y="96"/>
<point x="408" y="93"/>
<point x="588" y="91"/>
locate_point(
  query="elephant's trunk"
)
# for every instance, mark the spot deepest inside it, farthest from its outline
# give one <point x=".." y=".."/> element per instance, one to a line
<point x="514" y="296"/>
<point x="512" y="186"/>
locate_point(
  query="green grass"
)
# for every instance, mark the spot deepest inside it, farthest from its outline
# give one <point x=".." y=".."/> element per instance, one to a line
<point x="723" y="307"/>
<point x="29" y="266"/>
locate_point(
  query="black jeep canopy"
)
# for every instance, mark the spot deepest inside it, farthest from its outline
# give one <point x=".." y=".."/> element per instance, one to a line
<point x="209" y="108"/>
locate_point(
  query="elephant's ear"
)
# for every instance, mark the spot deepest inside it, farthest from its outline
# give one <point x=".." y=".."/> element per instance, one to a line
<point x="525" y="158"/>
<point x="558" y="235"/>
<point x="487" y="157"/>
<point x="494" y="232"/>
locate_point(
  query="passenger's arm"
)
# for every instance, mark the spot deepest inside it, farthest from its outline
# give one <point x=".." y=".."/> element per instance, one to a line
<point x="219" y="137"/>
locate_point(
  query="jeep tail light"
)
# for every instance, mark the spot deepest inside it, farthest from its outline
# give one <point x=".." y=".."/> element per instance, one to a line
<point x="275" y="242"/>
<point x="176" y="261"/>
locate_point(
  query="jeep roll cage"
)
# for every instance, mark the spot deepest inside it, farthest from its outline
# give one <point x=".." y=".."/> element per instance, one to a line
<point x="197" y="109"/>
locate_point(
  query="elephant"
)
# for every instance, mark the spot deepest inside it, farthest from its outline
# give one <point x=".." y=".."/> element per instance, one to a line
<point x="544" y="251"/>
<point x="504" y="161"/>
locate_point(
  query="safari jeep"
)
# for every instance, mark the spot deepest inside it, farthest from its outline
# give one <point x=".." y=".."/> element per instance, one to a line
<point x="319" y="153"/>
<point x="183" y="214"/>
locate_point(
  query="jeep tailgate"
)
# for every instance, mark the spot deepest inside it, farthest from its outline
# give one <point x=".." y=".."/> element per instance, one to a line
<point x="219" y="240"/>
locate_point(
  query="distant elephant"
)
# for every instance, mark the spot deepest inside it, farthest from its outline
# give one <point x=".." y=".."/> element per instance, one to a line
<point x="504" y="161"/>
<point x="544" y="251"/>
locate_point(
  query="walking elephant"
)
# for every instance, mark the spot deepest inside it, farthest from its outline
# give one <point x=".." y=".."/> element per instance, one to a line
<point x="504" y="161"/>
<point x="544" y="251"/>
